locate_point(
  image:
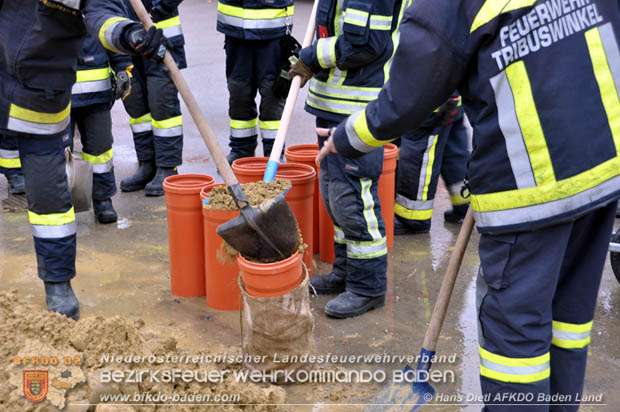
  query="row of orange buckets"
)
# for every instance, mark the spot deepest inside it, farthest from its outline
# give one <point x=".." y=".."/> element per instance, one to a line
<point x="323" y="227"/>
<point x="199" y="264"/>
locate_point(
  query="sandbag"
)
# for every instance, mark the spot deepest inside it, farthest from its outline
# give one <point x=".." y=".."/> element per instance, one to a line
<point x="279" y="326"/>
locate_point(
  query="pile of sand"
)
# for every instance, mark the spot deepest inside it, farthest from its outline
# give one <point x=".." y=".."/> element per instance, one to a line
<point x="28" y="330"/>
<point x="256" y="193"/>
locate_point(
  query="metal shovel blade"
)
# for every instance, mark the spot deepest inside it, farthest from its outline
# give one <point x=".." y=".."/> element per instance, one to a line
<point x="80" y="179"/>
<point x="265" y="232"/>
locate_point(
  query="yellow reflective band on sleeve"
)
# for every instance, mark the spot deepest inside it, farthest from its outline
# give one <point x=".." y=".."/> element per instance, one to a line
<point x="514" y="370"/>
<point x="493" y="8"/>
<point x="458" y="200"/>
<point x="28" y="115"/>
<point x="146" y="118"/>
<point x="52" y="219"/>
<point x="171" y="22"/>
<point x="571" y="335"/>
<point x="363" y="132"/>
<point x="339" y="235"/>
<point x="411" y="214"/>
<point x="105" y="32"/>
<point x="255" y="14"/>
<point x="529" y="122"/>
<point x="606" y="82"/>
<point x="326" y="51"/>
<point x="92" y="74"/>
<point x="168" y="123"/>
<point x="10" y="163"/>
<point x="243" y="124"/>
<point x="269" y="124"/>
<point x="100" y="159"/>
<point x="378" y="22"/>
<point x="356" y="17"/>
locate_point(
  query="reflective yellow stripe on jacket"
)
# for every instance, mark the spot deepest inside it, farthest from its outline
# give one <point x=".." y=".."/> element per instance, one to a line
<point x="92" y="81"/>
<point x="268" y="18"/>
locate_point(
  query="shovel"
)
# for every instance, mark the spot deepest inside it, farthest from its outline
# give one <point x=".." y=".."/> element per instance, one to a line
<point x="266" y="232"/>
<point x="289" y="106"/>
<point x="80" y="179"/>
<point x="407" y="397"/>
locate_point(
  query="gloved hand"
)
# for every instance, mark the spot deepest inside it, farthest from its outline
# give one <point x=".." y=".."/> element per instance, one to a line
<point x="151" y="44"/>
<point x="289" y="47"/>
<point x="298" y="68"/>
<point x="449" y="111"/>
<point x="123" y="83"/>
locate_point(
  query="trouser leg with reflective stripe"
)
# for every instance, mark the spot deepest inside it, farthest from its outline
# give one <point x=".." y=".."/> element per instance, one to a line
<point x="242" y="88"/>
<point x="417" y="176"/>
<point x="95" y="125"/>
<point x="349" y="190"/>
<point x="50" y="209"/>
<point x="9" y="155"/>
<point x="267" y="71"/>
<point x="339" y="268"/>
<point x="137" y="107"/>
<point x="528" y="285"/>
<point x="454" y="160"/>
<point x="167" y="120"/>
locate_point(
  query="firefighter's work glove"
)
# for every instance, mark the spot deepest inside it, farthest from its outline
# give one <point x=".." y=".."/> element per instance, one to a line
<point x="289" y="47"/>
<point x="298" y="68"/>
<point x="151" y="44"/>
<point x="123" y="83"/>
<point x="282" y="85"/>
<point x="449" y="111"/>
<point x="160" y="12"/>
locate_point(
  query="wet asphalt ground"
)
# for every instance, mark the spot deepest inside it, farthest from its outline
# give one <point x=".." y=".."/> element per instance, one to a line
<point x="123" y="268"/>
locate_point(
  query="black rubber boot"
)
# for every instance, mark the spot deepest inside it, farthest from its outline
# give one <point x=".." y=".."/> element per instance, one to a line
<point x="104" y="211"/>
<point x="17" y="185"/>
<point x="349" y="304"/>
<point x="240" y="153"/>
<point x="411" y="227"/>
<point x="330" y="284"/>
<point x="145" y="173"/>
<point x="60" y="298"/>
<point x="456" y="214"/>
<point x="155" y="186"/>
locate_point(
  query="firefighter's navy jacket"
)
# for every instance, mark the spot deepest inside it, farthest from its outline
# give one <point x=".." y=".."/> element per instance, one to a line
<point x="540" y="82"/>
<point x="40" y="41"/>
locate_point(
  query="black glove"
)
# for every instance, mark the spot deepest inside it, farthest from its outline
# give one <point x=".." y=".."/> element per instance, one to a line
<point x="123" y="83"/>
<point x="448" y="111"/>
<point x="160" y="12"/>
<point x="289" y="47"/>
<point x="151" y="44"/>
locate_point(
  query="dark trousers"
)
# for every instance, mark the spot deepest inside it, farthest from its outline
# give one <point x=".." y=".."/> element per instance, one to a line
<point x="94" y="123"/>
<point x="50" y="209"/>
<point x="155" y="116"/>
<point x="252" y="66"/>
<point x="349" y="191"/>
<point x="424" y="156"/>
<point x="536" y="296"/>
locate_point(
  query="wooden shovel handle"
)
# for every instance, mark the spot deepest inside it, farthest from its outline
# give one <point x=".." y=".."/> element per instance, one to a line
<point x="291" y="99"/>
<point x="447" y="285"/>
<point x="201" y="122"/>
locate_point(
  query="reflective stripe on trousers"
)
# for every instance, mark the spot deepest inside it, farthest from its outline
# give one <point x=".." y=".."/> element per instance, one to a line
<point x="141" y="124"/>
<point x="243" y="128"/>
<point x="9" y="159"/>
<point x="101" y="163"/>
<point x="168" y="127"/>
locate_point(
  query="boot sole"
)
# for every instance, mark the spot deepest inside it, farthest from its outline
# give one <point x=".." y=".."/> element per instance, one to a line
<point x="107" y="221"/>
<point x="373" y="304"/>
<point x="153" y="193"/>
<point x="132" y="188"/>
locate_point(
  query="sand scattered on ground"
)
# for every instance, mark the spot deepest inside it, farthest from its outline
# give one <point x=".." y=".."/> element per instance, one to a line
<point x="31" y="330"/>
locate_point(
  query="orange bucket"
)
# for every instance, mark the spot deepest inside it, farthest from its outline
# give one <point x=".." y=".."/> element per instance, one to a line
<point x="267" y="280"/>
<point x="185" y="233"/>
<point x="249" y="169"/>
<point x="299" y="197"/>
<point x="305" y="154"/>
<point x="387" y="190"/>
<point x="221" y="271"/>
<point x="326" y="235"/>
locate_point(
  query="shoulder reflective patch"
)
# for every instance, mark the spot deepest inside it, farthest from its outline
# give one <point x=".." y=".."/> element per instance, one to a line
<point x="493" y="8"/>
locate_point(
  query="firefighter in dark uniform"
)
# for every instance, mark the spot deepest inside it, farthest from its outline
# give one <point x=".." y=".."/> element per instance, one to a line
<point x="39" y="44"/>
<point x="540" y="87"/>
<point x="154" y="108"/>
<point x="350" y="61"/>
<point x="92" y="98"/>
<point x="10" y="166"/>
<point x="253" y="29"/>
<point x="439" y="146"/>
